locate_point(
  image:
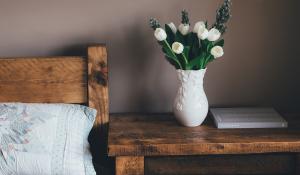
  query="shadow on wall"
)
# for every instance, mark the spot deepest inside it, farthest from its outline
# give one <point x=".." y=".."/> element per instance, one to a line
<point x="141" y="62"/>
<point x="78" y="50"/>
<point x="135" y="72"/>
<point x="283" y="55"/>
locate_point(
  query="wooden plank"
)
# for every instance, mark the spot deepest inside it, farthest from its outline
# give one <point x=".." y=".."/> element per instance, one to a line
<point x="52" y="80"/>
<point x="98" y="82"/>
<point x="98" y="99"/>
<point x="275" y="164"/>
<point x="155" y="135"/>
<point x="129" y="165"/>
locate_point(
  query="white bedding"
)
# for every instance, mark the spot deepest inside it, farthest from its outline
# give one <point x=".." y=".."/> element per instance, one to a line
<point x="41" y="139"/>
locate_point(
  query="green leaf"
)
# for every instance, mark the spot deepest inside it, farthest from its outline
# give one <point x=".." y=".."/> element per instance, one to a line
<point x="179" y="38"/>
<point x="202" y="64"/>
<point x="168" y="52"/>
<point x="195" y="62"/>
<point x="211" y="58"/>
<point x="195" y="50"/>
<point x="191" y="39"/>
<point x="170" y="34"/>
<point x="209" y="46"/>
<point x="181" y="60"/>
<point x="172" y="62"/>
<point x="204" y="44"/>
<point x="186" y="51"/>
<point x="208" y="59"/>
<point x="219" y="43"/>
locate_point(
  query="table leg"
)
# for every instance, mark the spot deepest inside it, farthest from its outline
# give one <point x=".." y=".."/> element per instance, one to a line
<point x="298" y="164"/>
<point x="130" y="165"/>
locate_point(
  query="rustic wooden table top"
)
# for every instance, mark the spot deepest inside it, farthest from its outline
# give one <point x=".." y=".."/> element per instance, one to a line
<point x="161" y="135"/>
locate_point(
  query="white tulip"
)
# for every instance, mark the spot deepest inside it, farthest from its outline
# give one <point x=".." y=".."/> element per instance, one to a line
<point x="217" y="51"/>
<point x="184" y="28"/>
<point x="198" y="25"/>
<point x="173" y="27"/>
<point x="214" y="34"/>
<point x="160" y="34"/>
<point x="202" y="33"/>
<point x="177" y="47"/>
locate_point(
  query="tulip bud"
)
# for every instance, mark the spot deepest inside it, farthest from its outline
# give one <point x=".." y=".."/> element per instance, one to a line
<point x="217" y="51"/>
<point x="173" y="27"/>
<point x="177" y="47"/>
<point x="198" y="25"/>
<point x="160" y="34"/>
<point x="184" y="28"/>
<point x="202" y="33"/>
<point x="214" y="34"/>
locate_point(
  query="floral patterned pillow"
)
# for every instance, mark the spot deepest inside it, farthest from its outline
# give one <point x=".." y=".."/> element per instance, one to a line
<point x="45" y="139"/>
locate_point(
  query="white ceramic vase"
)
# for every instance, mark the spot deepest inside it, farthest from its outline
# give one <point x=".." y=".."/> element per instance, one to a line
<point x="190" y="105"/>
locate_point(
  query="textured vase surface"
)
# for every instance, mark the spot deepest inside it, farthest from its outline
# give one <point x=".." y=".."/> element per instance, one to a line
<point x="190" y="105"/>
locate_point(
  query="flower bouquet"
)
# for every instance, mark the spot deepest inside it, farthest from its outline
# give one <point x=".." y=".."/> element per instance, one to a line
<point x="190" y="52"/>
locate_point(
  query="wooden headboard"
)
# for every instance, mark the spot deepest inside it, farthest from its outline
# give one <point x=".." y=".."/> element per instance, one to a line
<point x="76" y="80"/>
<point x="79" y="80"/>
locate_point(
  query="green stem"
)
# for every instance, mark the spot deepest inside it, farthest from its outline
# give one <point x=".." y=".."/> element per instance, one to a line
<point x="206" y="61"/>
<point x="202" y="63"/>
<point x="165" y="41"/>
<point x="185" y="59"/>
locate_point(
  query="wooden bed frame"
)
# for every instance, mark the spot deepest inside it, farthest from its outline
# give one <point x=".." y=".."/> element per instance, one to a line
<point x="78" y="80"/>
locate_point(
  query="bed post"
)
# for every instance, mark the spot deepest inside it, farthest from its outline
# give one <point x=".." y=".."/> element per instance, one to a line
<point x="98" y="83"/>
<point x="98" y="99"/>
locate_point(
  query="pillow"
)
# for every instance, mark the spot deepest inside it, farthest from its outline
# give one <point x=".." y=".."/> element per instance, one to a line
<point x="41" y="139"/>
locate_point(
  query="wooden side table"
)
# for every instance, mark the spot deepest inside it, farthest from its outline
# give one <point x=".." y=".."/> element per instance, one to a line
<point x="133" y="138"/>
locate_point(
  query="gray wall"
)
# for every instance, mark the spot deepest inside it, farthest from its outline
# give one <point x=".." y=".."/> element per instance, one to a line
<point x="260" y="66"/>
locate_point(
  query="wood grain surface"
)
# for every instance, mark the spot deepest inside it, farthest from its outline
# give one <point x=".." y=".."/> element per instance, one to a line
<point x="126" y="165"/>
<point x="258" y="164"/>
<point x="48" y="80"/>
<point x="98" y="99"/>
<point x="98" y="82"/>
<point x="158" y="135"/>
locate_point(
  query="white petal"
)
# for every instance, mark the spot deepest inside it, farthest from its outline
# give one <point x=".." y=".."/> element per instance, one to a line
<point x="217" y="51"/>
<point x="173" y="27"/>
<point x="214" y="34"/>
<point x="177" y="47"/>
<point x="198" y="25"/>
<point x="184" y="28"/>
<point x="160" y="34"/>
<point x="202" y="33"/>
